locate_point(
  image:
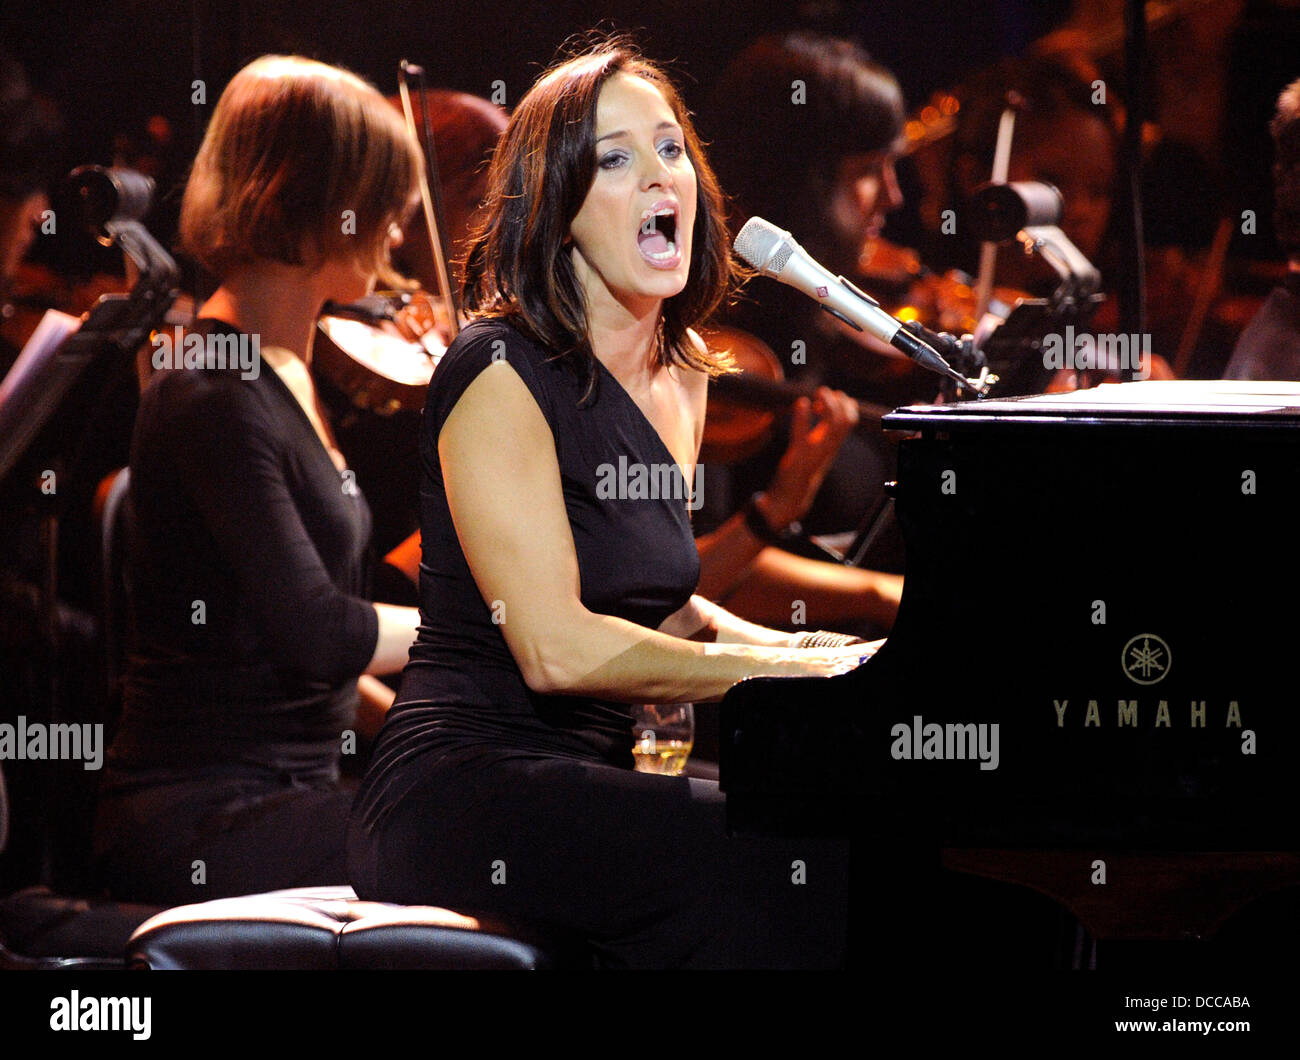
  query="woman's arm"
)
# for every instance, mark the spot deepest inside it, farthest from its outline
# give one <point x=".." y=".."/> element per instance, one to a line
<point x="831" y="595"/>
<point x="311" y="627"/>
<point x="817" y="432"/>
<point x="502" y="481"/>
<point x="701" y="619"/>
<point x="795" y="485"/>
<point x="765" y="583"/>
<point x="376" y="699"/>
<point x="397" y="627"/>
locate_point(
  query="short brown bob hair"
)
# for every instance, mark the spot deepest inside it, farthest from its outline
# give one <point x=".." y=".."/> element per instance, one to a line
<point x="518" y="264"/>
<point x="301" y="163"/>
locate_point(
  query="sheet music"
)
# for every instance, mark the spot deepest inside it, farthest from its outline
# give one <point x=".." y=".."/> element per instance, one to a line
<point x="50" y="333"/>
<point x="1206" y="396"/>
<point x="1199" y="394"/>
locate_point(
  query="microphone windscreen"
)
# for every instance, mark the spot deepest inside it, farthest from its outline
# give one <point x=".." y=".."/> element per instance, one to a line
<point x="998" y="211"/>
<point x="764" y="246"/>
<point x="104" y="195"/>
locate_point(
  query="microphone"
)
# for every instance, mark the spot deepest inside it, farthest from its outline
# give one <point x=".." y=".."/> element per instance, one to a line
<point x="775" y="253"/>
<point x="999" y="211"/>
<point x="106" y="196"/>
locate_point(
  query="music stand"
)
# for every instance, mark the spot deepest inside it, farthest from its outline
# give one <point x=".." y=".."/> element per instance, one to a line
<point x="54" y="386"/>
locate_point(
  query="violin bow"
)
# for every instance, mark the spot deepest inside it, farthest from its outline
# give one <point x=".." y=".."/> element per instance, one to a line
<point x="432" y="203"/>
<point x="1001" y="166"/>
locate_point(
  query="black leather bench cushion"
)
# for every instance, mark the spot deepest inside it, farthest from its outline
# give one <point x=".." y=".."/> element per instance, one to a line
<point x="329" y="928"/>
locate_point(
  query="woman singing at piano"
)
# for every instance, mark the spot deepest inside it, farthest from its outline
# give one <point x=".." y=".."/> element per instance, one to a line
<point x="554" y="593"/>
<point x="250" y="546"/>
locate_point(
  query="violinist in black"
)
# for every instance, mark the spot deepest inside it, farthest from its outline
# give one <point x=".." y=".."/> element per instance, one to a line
<point x="554" y="592"/>
<point x="249" y="559"/>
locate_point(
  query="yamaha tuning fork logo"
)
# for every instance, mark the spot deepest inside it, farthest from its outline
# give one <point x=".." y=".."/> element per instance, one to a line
<point x="1146" y="659"/>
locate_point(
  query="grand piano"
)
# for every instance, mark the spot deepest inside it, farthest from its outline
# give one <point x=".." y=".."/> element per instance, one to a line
<point x="1093" y="685"/>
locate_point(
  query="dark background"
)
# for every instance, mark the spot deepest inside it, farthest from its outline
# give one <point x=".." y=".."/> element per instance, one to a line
<point x="110" y="68"/>
<point x="115" y="69"/>
<point x="109" y="64"/>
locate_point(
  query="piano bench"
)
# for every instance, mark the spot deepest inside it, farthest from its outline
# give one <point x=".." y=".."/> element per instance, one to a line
<point x="329" y="928"/>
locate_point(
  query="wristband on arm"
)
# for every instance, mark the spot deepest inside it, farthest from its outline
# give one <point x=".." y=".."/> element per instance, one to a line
<point x="758" y="526"/>
<point x="823" y="639"/>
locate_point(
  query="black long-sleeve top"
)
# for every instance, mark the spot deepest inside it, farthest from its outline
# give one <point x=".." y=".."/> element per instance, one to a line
<point x="248" y="561"/>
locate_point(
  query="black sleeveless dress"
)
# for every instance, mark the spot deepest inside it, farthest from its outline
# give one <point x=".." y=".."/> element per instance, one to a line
<point x="488" y="798"/>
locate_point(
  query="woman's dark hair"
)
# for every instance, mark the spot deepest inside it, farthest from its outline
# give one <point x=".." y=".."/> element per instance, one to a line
<point x="784" y="115"/>
<point x="518" y="265"/>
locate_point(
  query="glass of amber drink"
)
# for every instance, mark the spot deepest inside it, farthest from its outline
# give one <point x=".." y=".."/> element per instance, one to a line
<point x="662" y="737"/>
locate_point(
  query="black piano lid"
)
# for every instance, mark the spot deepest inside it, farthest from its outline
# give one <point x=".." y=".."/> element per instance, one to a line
<point x="1176" y="403"/>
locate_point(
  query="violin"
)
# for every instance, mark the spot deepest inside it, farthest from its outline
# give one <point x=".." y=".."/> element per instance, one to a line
<point x="381" y="351"/>
<point x="948" y="303"/>
<point x="911" y="291"/>
<point x="743" y="406"/>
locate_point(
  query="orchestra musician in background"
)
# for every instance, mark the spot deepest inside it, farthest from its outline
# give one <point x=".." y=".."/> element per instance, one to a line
<point x="251" y="534"/>
<point x="1059" y="137"/>
<point x="822" y="168"/>
<point x="1269" y="347"/>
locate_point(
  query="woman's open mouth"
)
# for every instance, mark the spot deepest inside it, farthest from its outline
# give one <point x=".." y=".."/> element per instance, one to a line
<point x="656" y="236"/>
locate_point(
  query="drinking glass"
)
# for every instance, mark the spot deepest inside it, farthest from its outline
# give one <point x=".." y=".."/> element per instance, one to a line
<point x="662" y="737"/>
